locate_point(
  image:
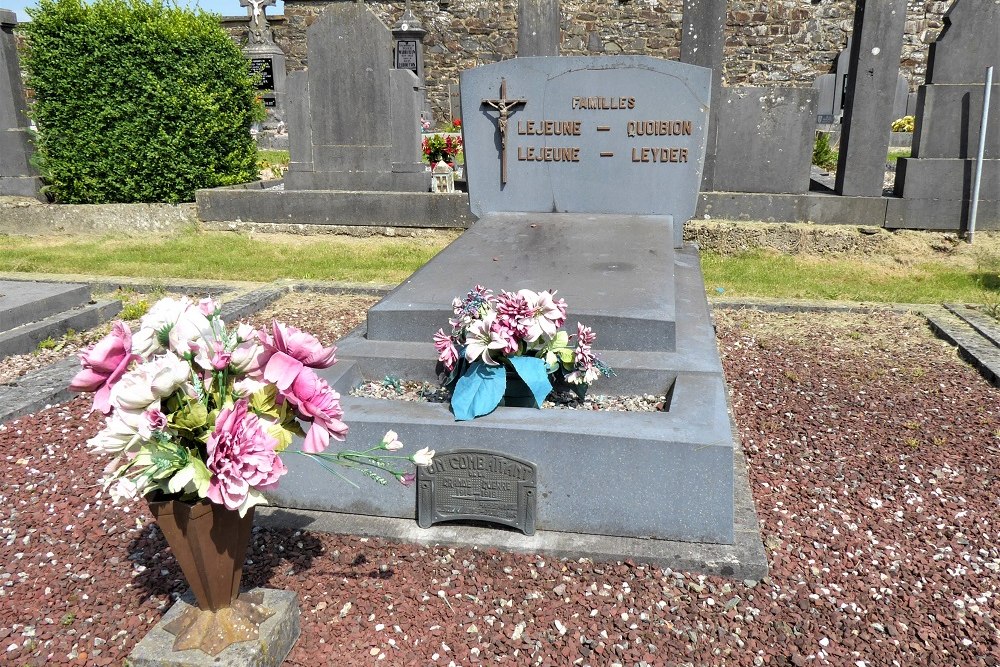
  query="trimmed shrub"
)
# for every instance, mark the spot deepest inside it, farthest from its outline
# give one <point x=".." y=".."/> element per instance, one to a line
<point x="137" y="101"/>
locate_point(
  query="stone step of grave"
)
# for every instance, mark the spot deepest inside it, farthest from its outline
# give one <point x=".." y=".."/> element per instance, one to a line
<point x="973" y="346"/>
<point x="637" y="371"/>
<point x="614" y="271"/>
<point x="22" y="302"/>
<point x="986" y="326"/>
<point x="677" y="463"/>
<point x="25" y="338"/>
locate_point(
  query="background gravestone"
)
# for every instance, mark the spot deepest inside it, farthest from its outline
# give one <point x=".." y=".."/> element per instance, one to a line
<point x="353" y="120"/>
<point x="876" y="44"/>
<point x="268" y="60"/>
<point x="16" y="174"/>
<point x="936" y="182"/>
<point x="537" y="28"/>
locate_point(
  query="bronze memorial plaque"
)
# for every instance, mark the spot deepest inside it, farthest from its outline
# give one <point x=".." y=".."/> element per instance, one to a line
<point x="477" y="485"/>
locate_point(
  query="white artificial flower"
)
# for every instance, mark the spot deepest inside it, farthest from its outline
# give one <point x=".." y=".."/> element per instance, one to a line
<point x="247" y="387"/>
<point x="245" y="354"/>
<point x="192" y="329"/>
<point x="149" y="382"/>
<point x="118" y="435"/>
<point x="423" y="457"/>
<point x="390" y="441"/>
<point x="122" y="489"/>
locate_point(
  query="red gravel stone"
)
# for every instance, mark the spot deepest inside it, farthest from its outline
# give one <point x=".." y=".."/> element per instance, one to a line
<point x="874" y="458"/>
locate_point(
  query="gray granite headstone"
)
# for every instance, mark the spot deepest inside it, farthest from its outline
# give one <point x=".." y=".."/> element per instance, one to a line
<point x="357" y="118"/>
<point x="584" y="140"/>
<point x="604" y="160"/>
<point x="765" y="140"/>
<point x="16" y="175"/>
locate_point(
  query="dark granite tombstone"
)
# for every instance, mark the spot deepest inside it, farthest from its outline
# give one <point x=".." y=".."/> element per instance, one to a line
<point x="764" y="140"/>
<point x="16" y="175"/>
<point x="935" y="184"/>
<point x="353" y="119"/>
<point x="575" y="133"/>
<point x="876" y="44"/>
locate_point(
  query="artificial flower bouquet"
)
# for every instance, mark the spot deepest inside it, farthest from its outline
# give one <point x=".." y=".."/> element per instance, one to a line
<point x="517" y="332"/>
<point x="198" y="410"/>
<point x="441" y="148"/>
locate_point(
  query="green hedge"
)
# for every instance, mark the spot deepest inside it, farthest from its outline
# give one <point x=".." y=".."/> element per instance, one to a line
<point x="137" y="101"/>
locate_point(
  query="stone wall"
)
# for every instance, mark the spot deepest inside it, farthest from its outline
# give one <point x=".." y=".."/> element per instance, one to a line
<point x="768" y="42"/>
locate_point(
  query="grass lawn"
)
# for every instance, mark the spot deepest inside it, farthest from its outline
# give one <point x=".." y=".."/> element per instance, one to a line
<point x="224" y="256"/>
<point x="965" y="274"/>
<point x="760" y="273"/>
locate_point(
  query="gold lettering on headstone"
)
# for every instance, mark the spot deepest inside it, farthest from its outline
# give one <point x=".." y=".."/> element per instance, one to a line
<point x="550" y="127"/>
<point x="548" y="154"/>
<point x="659" y="154"/>
<point x="659" y="128"/>
<point x="602" y="103"/>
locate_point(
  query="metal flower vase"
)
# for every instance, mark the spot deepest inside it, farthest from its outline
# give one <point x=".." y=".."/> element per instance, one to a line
<point x="210" y="544"/>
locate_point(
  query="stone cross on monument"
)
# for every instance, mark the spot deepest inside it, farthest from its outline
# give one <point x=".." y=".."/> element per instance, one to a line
<point x="258" y="30"/>
<point x="505" y="107"/>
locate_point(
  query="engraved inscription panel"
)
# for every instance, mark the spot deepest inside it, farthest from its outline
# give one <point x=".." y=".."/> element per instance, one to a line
<point x="406" y="54"/>
<point x="264" y="68"/>
<point x="477" y="485"/>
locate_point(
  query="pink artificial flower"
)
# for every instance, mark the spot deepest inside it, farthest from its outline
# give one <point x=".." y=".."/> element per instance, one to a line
<point x="241" y="457"/>
<point x="303" y="346"/>
<point x="287" y="352"/>
<point x="407" y="479"/>
<point x="447" y="352"/>
<point x="585" y="335"/>
<point x="156" y="419"/>
<point x="513" y="312"/>
<point x="208" y="307"/>
<point x="547" y="314"/>
<point x="104" y="363"/>
<point x="317" y="402"/>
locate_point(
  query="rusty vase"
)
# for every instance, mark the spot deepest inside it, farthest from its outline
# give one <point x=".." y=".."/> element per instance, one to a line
<point x="210" y="543"/>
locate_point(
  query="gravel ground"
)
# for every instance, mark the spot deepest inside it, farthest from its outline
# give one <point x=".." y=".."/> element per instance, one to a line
<point x="873" y="454"/>
<point x="394" y="389"/>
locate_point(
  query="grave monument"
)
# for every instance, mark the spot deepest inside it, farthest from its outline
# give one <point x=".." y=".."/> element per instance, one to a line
<point x="582" y="172"/>
<point x="267" y="61"/>
<point x="16" y="175"/>
<point x="353" y="118"/>
<point x="935" y="184"/>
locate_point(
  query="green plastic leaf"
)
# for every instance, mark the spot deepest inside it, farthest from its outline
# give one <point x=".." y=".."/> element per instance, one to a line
<point x="478" y="391"/>
<point x="262" y="401"/>
<point x="191" y="417"/>
<point x="532" y="371"/>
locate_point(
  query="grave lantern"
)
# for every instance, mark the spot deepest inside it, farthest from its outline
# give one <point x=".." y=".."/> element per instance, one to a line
<point x="443" y="178"/>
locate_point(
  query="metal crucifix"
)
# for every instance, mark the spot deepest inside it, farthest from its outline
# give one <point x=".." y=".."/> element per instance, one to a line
<point x="505" y="107"/>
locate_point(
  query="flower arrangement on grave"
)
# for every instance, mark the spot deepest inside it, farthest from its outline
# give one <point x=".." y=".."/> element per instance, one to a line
<point x="513" y="337"/>
<point x="197" y="410"/>
<point x="442" y="148"/>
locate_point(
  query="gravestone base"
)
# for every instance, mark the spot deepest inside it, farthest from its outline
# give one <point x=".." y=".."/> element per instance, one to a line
<point x="605" y="480"/>
<point x="359" y="181"/>
<point x="20" y="186"/>
<point x="277" y="637"/>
